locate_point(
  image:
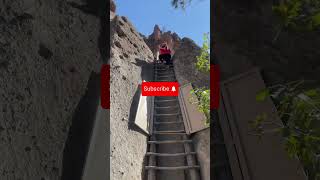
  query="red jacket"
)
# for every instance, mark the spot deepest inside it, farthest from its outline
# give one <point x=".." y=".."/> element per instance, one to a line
<point x="165" y="51"/>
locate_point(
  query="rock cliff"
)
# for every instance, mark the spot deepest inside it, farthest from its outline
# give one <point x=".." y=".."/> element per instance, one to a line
<point x="129" y="57"/>
<point x="157" y="37"/>
<point x="48" y="50"/>
<point x="184" y="64"/>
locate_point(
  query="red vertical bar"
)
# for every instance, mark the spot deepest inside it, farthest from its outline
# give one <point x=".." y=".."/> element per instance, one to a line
<point x="105" y="86"/>
<point x="214" y="86"/>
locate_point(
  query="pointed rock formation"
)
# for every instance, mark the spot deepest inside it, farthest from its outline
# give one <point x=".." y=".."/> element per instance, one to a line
<point x="157" y="37"/>
<point x="112" y="9"/>
<point x="156" y="33"/>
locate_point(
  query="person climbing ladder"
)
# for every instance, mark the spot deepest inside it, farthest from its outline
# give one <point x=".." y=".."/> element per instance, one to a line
<point x="165" y="54"/>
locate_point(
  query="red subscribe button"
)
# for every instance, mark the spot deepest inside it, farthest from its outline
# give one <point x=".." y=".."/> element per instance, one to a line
<point x="160" y="88"/>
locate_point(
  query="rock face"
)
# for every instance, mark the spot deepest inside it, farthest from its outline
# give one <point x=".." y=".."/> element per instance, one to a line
<point x="112" y="9"/>
<point x="128" y="54"/>
<point x="158" y="37"/>
<point x="201" y="141"/>
<point x="112" y="6"/>
<point x="184" y="64"/>
<point x="47" y="51"/>
<point x="244" y="38"/>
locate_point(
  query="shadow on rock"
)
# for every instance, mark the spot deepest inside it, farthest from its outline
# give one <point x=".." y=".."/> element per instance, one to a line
<point x="77" y="144"/>
<point x="147" y="75"/>
<point x="146" y="69"/>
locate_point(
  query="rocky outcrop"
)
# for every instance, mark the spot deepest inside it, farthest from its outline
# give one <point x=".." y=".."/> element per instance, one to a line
<point x="184" y="64"/>
<point x="129" y="54"/>
<point x="47" y="53"/>
<point x="201" y="141"/>
<point x="112" y="9"/>
<point x="112" y="6"/>
<point x="157" y="37"/>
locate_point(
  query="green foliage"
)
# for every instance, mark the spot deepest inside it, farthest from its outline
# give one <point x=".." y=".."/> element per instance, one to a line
<point x="203" y="60"/>
<point x="203" y="101"/>
<point x="298" y="15"/>
<point x="299" y="110"/>
<point x="262" y="95"/>
<point x="288" y="12"/>
<point x="203" y="65"/>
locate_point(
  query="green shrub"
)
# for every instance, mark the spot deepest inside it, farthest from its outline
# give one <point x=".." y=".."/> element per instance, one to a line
<point x="203" y="60"/>
<point x="203" y="99"/>
<point x="297" y="15"/>
<point x="203" y="65"/>
<point x="299" y="110"/>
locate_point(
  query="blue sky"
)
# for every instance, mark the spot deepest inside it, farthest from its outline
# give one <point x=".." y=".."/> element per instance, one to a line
<point x="144" y="14"/>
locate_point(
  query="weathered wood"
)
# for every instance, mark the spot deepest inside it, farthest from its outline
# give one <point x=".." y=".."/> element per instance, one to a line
<point x="172" y="168"/>
<point x="167" y="154"/>
<point x="252" y="158"/>
<point x="193" y="119"/>
<point x="169" y="141"/>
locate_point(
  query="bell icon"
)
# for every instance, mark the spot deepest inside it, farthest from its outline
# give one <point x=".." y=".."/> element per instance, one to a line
<point x="173" y="89"/>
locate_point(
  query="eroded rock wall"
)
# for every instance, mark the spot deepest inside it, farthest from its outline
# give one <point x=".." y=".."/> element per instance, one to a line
<point x="184" y="64"/>
<point x="47" y="51"/>
<point x="158" y="37"/>
<point x="129" y="55"/>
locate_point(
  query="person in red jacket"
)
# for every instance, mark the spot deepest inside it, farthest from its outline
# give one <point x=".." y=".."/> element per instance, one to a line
<point x="165" y="53"/>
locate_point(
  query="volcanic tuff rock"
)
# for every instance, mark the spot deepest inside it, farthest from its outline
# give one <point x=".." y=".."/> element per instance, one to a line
<point x="47" y="51"/>
<point x="157" y="37"/>
<point x="184" y="64"/>
<point x="113" y="8"/>
<point x="128" y="54"/>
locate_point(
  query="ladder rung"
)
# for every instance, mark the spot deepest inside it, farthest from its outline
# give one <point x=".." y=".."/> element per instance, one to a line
<point x="163" y="80"/>
<point x="166" y="107"/>
<point x="177" y="131"/>
<point x="169" y="155"/>
<point x="164" y="69"/>
<point x="172" y="168"/>
<point x="166" y="76"/>
<point x="164" y="73"/>
<point x="174" y="114"/>
<point x="166" y="100"/>
<point x="173" y="122"/>
<point x="170" y="141"/>
<point x="164" y="65"/>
